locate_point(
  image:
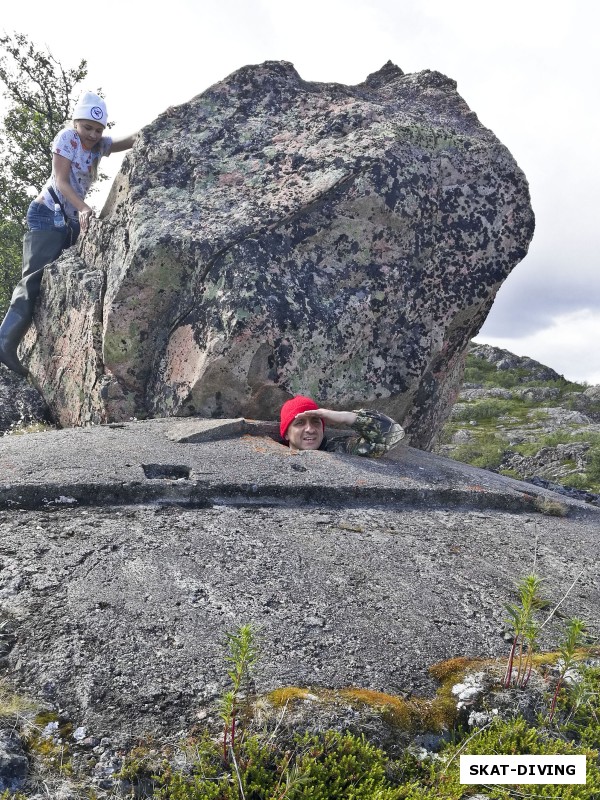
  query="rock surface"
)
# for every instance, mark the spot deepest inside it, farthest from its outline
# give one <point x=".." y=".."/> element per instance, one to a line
<point x="20" y="404"/>
<point x="504" y="360"/>
<point x="275" y="236"/>
<point x="355" y="572"/>
<point x="13" y="762"/>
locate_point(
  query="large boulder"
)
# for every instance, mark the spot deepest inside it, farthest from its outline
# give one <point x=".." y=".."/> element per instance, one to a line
<point x="275" y="236"/>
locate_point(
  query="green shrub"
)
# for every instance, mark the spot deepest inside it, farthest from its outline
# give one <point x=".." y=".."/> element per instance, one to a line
<point x="486" y="451"/>
<point x="480" y="371"/>
<point x="560" y="437"/>
<point x="593" y="463"/>
<point x="341" y="766"/>
<point x="208" y="779"/>
<point x="517" y="737"/>
<point x="331" y="766"/>
<point x="487" y="408"/>
<point x="576" y="480"/>
<point x="581" y="709"/>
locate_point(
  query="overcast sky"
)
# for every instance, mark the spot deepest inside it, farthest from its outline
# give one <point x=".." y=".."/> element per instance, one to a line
<point x="528" y="68"/>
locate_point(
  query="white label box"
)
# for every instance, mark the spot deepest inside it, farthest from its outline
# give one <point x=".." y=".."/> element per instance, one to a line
<point x="522" y="769"/>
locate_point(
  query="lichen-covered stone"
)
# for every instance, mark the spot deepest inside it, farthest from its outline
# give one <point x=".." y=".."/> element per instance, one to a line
<point x="13" y="761"/>
<point x="20" y="404"/>
<point x="275" y="236"/>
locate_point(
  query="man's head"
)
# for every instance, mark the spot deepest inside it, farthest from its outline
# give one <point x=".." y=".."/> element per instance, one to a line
<point x="305" y="433"/>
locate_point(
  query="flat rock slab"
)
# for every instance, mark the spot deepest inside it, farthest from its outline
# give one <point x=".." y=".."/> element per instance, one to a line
<point x="128" y="552"/>
<point x="118" y="616"/>
<point x="183" y="460"/>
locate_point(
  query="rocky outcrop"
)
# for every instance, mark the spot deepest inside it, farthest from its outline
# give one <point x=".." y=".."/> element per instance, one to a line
<point x="504" y="360"/>
<point x="20" y="404"/>
<point x="551" y="463"/>
<point x="546" y="434"/>
<point x="275" y="236"/>
<point x="13" y="761"/>
<point x="128" y="551"/>
<point x="588" y="402"/>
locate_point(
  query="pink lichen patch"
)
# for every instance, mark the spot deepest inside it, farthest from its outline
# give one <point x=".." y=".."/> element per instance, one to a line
<point x="231" y="179"/>
<point x="184" y="359"/>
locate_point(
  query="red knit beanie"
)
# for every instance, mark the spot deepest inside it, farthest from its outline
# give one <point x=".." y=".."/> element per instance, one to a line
<point x="292" y="407"/>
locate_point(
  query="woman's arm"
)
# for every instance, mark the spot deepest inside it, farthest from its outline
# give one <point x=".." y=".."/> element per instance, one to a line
<point x="61" y="167"/>
<point x="124" y="143"/>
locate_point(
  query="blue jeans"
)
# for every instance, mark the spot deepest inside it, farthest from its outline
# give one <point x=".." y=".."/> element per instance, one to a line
<point x="41" y="218"/>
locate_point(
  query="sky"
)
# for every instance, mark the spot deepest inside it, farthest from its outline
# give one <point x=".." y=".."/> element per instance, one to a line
<point x="529" y="69"/>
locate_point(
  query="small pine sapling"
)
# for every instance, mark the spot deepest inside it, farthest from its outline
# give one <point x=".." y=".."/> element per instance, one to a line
<point x="574" y="635"/>
<point x="521" y="618"/>
<point x="241" y="658"/>
<point x="530" y="635"/>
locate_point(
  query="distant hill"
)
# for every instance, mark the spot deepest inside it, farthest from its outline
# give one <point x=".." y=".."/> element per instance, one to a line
<point x="520" y="418"/>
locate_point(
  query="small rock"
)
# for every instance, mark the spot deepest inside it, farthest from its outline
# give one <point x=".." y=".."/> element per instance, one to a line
<point x="13" y="762"/>
<point x="79" y="734"/>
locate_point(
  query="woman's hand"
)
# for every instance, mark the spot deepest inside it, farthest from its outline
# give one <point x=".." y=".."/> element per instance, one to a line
<point x="85" y="214"/>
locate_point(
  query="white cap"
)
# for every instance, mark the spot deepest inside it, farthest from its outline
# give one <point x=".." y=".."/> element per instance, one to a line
<point x="90" y="106"/>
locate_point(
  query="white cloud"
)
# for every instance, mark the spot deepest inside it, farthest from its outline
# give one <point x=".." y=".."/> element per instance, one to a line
<point x="569" y="345"/>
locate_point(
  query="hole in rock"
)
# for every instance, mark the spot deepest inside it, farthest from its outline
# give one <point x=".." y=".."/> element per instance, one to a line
<point x="172" y="471"/>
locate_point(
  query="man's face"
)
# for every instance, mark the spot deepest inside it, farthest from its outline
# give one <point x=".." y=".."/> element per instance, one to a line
<point x="305" y="432"/>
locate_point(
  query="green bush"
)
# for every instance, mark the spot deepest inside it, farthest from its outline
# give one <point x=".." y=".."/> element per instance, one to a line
<point x="576" y="480"/>
<point x="593" y="463"/>
<point x="517" y="737"/>
<point x="488" y="408"/>
<point x="208" y="779"/>
<point x="342" y="766"/>
<point x="332" y="766"/>
<point x="559" y="437"/>
<point x="485" y="451"/>
<point x="482" y="372"/>
<point x="581" y="709"/>
<point x="555" y="438"/>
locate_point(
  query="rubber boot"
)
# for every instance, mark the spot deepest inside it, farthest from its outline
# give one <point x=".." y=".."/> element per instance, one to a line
<point x="13" y="329"/>
<point x="39" y="249"/>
